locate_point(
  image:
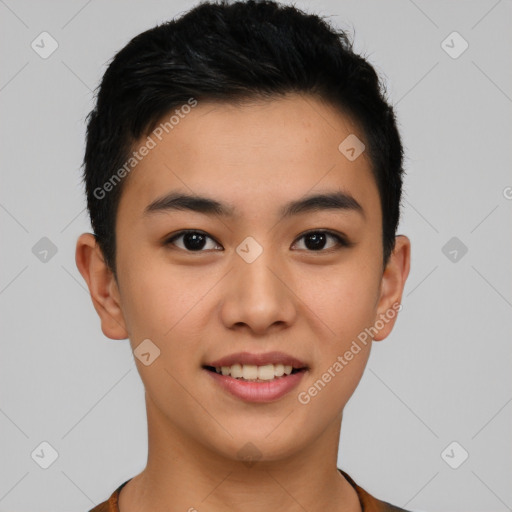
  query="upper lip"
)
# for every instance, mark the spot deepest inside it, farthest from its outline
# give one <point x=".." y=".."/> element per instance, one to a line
<point x="258" y="359"/>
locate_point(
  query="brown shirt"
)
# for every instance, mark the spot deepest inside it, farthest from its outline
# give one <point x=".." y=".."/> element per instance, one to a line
<point x="368" y="502"/>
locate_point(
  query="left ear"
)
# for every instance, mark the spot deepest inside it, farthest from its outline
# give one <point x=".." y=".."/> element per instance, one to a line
<point x="392" y="286"/>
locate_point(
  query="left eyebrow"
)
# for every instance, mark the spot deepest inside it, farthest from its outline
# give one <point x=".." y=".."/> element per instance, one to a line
<point x="340" y="201"/>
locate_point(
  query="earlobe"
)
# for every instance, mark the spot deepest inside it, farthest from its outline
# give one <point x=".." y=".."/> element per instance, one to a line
<point x="102" y="286"/>
<point x="392" y="286"/>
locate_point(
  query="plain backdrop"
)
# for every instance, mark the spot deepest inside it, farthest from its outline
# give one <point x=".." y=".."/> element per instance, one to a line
<point x="436" y="390"/>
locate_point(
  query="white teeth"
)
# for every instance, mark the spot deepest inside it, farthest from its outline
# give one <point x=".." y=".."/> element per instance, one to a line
<point x="236" y="371"/>
<point x="278" y="370"/>
<point x="249" y="371"/>
<point x="266" y="372"/>
<point x="254" y="372"/>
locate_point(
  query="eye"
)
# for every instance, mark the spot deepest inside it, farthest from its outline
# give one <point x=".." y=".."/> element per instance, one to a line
<point x="316" y="240"/>
<point x="193" y="241"/>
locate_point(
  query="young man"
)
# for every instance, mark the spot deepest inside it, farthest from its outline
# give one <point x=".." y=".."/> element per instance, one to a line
<point x="243" y="174"/>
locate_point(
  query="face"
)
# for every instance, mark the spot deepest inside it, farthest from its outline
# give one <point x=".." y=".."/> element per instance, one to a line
<point x="269" y="285"/>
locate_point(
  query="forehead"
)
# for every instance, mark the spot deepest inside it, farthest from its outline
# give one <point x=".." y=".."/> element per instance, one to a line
<point x="251" y="154"/>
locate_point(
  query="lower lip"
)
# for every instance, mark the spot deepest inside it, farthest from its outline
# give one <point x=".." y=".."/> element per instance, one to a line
<point x="268" y="391"/>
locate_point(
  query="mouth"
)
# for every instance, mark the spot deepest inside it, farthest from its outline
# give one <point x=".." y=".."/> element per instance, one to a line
<point x="257" y="377"/>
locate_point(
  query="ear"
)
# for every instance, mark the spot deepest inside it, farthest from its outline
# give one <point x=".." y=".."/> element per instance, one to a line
<point x="102" y="286"/>
<point x="392" y="286"/>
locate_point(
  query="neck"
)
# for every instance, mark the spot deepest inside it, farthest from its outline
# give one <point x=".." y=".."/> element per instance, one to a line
<point x="183" y="474"/>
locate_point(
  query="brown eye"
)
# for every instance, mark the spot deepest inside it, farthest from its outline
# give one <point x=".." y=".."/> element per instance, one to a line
<point x="317" y="240"/>
<point x="193" y="241"/>
<point x="314" y="241"/>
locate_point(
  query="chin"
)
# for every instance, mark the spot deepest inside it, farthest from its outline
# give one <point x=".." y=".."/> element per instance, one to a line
<point x="257" y="445"/>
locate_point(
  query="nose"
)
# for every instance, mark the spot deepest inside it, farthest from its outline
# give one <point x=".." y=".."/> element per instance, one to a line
<point x="258" y="296"/>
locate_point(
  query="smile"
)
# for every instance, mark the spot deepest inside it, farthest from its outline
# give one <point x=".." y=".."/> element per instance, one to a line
<point x="263" y="377"/>
<point x="239" y="381"/>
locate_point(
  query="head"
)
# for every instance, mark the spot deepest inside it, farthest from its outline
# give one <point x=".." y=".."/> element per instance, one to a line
<point x="251" y="109"/>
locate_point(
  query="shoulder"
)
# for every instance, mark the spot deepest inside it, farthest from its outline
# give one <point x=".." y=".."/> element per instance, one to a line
<point x="368" y="502"/>
<point x="110" y="505"/>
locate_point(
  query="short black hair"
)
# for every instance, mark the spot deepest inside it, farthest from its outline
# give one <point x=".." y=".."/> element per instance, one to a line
<point x="233" y="52"/>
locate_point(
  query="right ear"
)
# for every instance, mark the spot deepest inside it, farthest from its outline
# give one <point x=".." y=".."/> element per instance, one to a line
<point x="102" y="286"/>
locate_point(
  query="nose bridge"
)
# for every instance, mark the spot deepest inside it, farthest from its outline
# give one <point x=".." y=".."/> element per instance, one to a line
<point x="257" y="296"/>
<point x="254" y="269"/>
<point x="258" y="275"/>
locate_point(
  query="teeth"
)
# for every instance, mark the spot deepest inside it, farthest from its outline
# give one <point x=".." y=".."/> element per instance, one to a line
<point x="253" y="372"/>
<point x="266" y="372"/>
<point x="235" y="371"/>
<point x="249" y="371"/>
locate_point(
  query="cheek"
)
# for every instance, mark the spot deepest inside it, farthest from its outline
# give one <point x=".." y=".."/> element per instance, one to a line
<point x="343" y="298"/>
<point x="354" y="309"/>
<point x="346" y="305"/>
<point x="164" y="304"/>
<point x="163" y="307"/>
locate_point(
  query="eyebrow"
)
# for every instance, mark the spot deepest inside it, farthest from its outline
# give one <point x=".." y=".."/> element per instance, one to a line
<point x="339" y="201"/>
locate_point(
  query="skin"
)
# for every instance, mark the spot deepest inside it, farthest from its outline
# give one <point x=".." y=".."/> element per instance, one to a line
<point x="200" y="306"/>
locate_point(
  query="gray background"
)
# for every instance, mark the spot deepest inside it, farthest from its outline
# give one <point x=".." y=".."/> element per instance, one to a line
<point x="442" y="376"/>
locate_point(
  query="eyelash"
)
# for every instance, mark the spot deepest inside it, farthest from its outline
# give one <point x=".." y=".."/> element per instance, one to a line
<point x="341" y="241"/>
